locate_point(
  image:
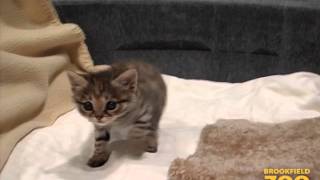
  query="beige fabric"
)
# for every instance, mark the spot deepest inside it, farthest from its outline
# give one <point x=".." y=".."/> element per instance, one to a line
<point x="35" y="49"/>
<point x="239" y="149"/>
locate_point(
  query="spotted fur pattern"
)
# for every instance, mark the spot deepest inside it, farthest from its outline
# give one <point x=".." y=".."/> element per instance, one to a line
<point x="127" y="99"/>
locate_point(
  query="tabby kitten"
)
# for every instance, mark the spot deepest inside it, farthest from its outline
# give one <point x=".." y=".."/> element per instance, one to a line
<point x="127" y="98"/>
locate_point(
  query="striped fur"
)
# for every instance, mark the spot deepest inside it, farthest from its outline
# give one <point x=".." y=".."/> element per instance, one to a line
<point x="140" y="94"/>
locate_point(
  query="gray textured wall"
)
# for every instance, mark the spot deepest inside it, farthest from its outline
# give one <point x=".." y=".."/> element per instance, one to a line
<point x="215" y="40"/>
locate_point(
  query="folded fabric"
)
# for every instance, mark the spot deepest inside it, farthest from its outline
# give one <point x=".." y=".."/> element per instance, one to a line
<point x="239" y="149"/>
<point x="35" y="49"/>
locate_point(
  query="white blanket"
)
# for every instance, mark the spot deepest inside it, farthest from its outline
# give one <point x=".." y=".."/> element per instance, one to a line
<point x="61" y="151"/>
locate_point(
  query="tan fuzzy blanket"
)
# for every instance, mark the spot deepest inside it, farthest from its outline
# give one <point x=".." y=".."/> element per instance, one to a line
<point x="35" y="51"/>
<point x="239" y="149"/>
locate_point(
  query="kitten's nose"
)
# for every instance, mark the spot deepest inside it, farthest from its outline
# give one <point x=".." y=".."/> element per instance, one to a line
<point x="98" y="117"/>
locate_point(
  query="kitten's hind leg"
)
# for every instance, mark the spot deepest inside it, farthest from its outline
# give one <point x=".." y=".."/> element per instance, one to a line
<point x="147" y="135"/>
<point x="152" y="142"/>
<point x="101" y="152"/>
<point x="152" y="136"/>
<point x="146" y="128"/>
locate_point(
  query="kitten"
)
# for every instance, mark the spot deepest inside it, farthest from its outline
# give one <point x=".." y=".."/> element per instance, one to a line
<point x="129" y="98"/>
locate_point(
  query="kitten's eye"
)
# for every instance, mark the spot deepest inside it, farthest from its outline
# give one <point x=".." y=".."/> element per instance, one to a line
<point x="87" y="106"/>
<point x="111" y="105"/>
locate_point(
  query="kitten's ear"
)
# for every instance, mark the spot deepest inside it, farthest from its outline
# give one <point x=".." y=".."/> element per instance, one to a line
<point x="77" y="80"/>
<point x="128" y="80"/>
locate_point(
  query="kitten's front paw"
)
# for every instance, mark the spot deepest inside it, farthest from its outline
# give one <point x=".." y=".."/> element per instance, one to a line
<point x="97" y="160"/>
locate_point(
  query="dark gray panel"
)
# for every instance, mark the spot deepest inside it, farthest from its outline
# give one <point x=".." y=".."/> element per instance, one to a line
<point x="204" y="39"/>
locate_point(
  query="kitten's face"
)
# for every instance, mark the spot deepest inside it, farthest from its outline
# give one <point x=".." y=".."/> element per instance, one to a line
<point x="102" y="98"/>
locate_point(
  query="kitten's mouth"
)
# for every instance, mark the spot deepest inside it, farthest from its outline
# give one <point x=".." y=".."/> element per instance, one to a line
<point x="102" y="123"/>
